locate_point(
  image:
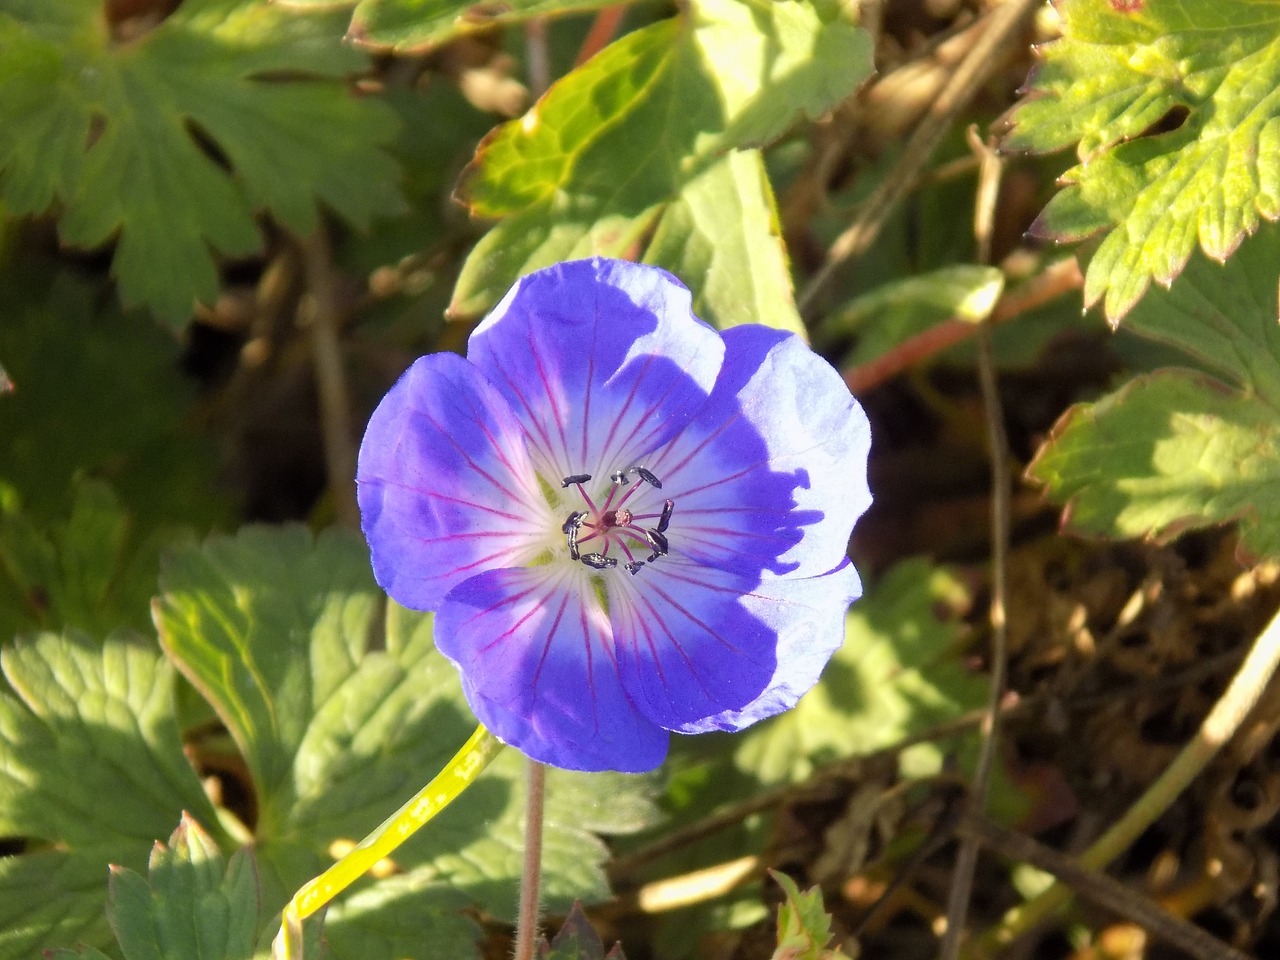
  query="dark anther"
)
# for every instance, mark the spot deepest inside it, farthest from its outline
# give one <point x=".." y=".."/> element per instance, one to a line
<point x="658" y="542"/>
<point x="599" y="561"/>
<point x="667" y="507"/>
<point x="648" y="477"/>
<point x="619" y="477"/>
<point x="575" y="478"/>
<point x="634" y="567"/>
<point x="571" y="528"/>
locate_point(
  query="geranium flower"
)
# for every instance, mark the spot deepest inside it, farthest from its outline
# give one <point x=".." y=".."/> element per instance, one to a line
<point x="626" y="522"/>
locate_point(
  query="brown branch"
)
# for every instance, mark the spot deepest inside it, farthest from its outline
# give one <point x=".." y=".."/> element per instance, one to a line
<point x="981" y="61"/>
<point x="1052" y="282"/>
<point x="319" y="311"/>
<point x="1102" y="890"/>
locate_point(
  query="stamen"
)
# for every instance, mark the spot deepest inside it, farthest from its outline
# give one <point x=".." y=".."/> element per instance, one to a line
<point x="614" y="526"/>
<point x="667" y="507"/>
<point x="648" y="477"/>
<point x="659" y="543"/>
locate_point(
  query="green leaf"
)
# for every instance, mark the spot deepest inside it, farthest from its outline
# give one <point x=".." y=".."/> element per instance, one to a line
<point x="91" y="765"/>
<point x="1179" y="449"/>
<point x="1176" y="112"/>
<point x="93" y="571"/>
<point x="413" y="25"/>
<point x="722" y="233"/>
<point x="896" y="674"/>
<point x="173" y="141"/>
<point x="101" y="395"/>
<point x="191" y="905"/>
<point x="804" y="926"/>
<point x="893" y="312"/>
<point x="592" y="166"/>
<point x="577" y="940"/>
<point x="341" y="717"/>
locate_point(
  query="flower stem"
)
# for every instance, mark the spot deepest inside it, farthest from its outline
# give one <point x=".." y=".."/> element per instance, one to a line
<point x="531" y="878"/>
<point x="395" y="830"/>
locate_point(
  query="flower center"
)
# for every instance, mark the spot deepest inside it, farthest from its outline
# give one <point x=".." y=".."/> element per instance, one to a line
<point x="612" y="526"/>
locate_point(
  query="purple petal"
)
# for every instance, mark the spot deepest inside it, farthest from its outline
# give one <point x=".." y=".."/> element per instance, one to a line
<point x="687" y="645"/>
<point x="601" y="360"/>
<point x="773" y="473"/>
<point x="539" y="669"/>
<point x="809" y="616"/>
<point x="445" y="485"/>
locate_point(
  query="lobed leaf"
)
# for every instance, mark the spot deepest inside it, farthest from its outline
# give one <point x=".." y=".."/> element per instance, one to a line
<point x="91" y="765"/>
<point x="647" y="123"/>
<point x="577" y="940"/>
<point x="172" y="142"/>
<point x="1176" y="112"/>
<point x="341" y="716"/>
<point x="1179" y="449"/>
<point x="804" y="926"/>
<point x="191" y="905"/>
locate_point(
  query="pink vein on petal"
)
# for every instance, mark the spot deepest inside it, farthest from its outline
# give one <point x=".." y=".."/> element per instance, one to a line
<point x="556" y="414"/>
<point x="546" y="647"/>
<point x="433" y="495"/>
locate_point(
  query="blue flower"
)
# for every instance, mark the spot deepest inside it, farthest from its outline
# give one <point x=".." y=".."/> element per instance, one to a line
<point x="626" y="522"/>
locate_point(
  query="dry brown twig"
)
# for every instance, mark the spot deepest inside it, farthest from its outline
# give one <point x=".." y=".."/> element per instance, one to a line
<point x="974" y="70"/>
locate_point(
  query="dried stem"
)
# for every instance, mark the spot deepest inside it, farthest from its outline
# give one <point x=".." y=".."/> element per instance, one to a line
<point x="602" y="30"/>
<point x="535" y="36"/>
<point x="1104" y="891"/>
<point x="531" y="877"/>
<point x="983" y="58"/>
<point x="1218" y="727"/>
<point x="320" y="312"/>
<point x="967" y="855"/>
<point x="1050" y="283"/>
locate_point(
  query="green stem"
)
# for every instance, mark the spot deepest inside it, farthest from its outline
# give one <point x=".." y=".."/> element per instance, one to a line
<point x="395" y="830"/>
<point x="1218" y="727"/>
<point x="531" y="878"/>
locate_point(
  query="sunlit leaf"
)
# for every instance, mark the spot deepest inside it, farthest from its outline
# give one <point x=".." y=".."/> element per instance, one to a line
<point x="414" y="25"/>
<point x="1175" y="108"/>
<point x="192" y="905"/>
<point x="804" y="926"/>
<point x="592" y="166"/>
<point x="1179" y="449"/>
<point x="341" y="717"/>
<point x="92" y="771"/>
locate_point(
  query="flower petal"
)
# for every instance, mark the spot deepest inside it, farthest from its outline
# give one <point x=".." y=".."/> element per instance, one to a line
<point x="601" y="360"/>
<point x="687" y="646"/>
<point x="536" y="653"/>
<point x="772" y="475"/>
<point x="445" y="484"/>
<point x="809" y="616"/>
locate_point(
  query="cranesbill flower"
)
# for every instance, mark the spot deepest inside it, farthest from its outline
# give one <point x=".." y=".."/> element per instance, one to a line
<point x="626" y="522"/>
